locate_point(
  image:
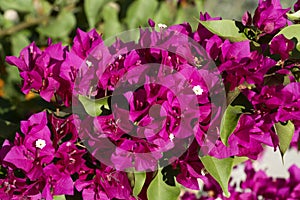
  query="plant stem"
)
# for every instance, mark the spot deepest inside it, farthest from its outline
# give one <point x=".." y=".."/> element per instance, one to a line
<point x="22" y="26"/>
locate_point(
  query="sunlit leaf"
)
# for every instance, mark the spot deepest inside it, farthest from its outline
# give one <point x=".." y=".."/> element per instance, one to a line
<point x="220" y="170"/>
<point x="285" y="134"/>
<point x="93" y="106"/>
<point x="59" y="197"/>
<point x="159" y="190"/>
<point x="290" y="32"/>
<point x="139" y="180"/>
<point x="225" y="29"/>
<point x="294" y="16"/>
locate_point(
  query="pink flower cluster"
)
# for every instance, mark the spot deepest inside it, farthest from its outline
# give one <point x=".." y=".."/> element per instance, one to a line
<point x="166" y="101"/>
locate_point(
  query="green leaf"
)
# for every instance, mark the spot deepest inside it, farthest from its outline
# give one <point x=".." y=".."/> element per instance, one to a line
<point x="286" y="80"/>
<point x="220" y="170"/>
<point x="93" y="106"/>
<point x="92" y="9"/>
<point x="19" y="41"/>
<point x="7" y="129"/>
<point x="110" y="14"/>
<point x="19" y="5"/>
<point x="292" y="32"/>
<point x="60" y="197"/>
<point x="188" y="13"/>
<point x="165" y="13"/>
<point x="238" y="160"/>
<point x="232" y="95"/>
<point x="159" y="190"/>
<point x="294" y="16"/>
<point x="225" y="29"/>
<point x="139" y="11"/>
<point x="285" y="134"/>
<point x="11" y="81"/>
<point x="229" y="121"/>
<point x="139" y="180"/>
<point x="59" y="27"/>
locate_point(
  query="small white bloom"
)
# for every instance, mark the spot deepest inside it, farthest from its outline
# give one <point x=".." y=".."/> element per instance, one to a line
<point x="162" y="25"/>
<point x="11" y="15"/>
<point x="40" y="143"/>
<point x="198" y="90"/>
<point x="171" y="137"/>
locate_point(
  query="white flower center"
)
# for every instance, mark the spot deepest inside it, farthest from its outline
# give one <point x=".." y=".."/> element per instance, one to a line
<point x="162" y="25"/>
<point x="88" y="63"/>
<point x="198" y="90"/>
<point x="40" y="143"/>
<point x="171" y="137"/>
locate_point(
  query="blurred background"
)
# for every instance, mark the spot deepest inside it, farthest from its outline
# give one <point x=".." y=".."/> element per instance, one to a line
<point x="24" y="21"/>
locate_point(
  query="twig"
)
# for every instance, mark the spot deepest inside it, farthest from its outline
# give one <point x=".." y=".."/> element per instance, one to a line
<point x="22" y="26"/>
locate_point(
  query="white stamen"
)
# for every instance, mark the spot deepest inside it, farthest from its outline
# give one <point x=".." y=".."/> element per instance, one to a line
<point x="89" y="63"/>
<point x="162" y="25"/>
<point x="203" y="172"/>
<point x="198" y="90"/>
<point x="40" y="143"/>
<point x="171" y="137"/>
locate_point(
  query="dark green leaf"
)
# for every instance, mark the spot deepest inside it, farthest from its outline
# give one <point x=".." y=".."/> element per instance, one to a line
<point x="225" y="29"/>
<point x="220" y="170"/>
<point x="285" y="134"/>
<point x="159" y="190"/>
<point x="7" y="129"/>
<point x="93" y="106"/>
<point x="229" y="121"/>
<point x="139" y="180"/>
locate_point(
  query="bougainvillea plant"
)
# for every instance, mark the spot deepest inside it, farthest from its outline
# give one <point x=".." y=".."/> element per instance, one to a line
<point x="170" y="109"/>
